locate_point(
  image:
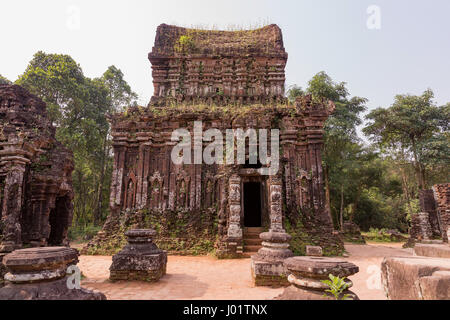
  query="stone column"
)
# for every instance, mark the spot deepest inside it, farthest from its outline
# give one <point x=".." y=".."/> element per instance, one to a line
<point x="12" y="205"/>
<point x="275" y="204"/>
<point x="234" y="221"/>
<point x="267" y="265"/>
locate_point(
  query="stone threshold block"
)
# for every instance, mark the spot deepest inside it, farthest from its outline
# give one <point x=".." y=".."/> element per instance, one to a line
<point x="306" y="275"/>
<point x="41" y="274"/>
<point x="140" y="259"/>
<point x="432" y="250"/>
<point x="416" y="278"/>
<point x="268" y="264"/>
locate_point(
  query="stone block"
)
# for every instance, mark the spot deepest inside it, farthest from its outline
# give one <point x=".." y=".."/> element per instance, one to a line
<point x="432" y="250"/>
<point x="416" y="278"/>
<point x="314" y="251"/>
<point x="140" y="259"/>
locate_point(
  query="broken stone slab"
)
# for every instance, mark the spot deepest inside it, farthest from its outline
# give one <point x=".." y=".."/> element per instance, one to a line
<point x="268" y="264"/>
<point x="140" y="259"/>
<point x="41" y="274"/>
<point x="432" y="250"/>
<point x="416" y="278"/>
<point x="307" y="273"/>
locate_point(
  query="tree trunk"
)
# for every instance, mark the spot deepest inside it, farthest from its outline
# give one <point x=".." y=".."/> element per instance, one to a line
<point x="327" y="193"/>
<point x="419" y="169"/>
<point x="406" y="189"/>
<point x="98" y="205"/>
<point x="355" y="205"/>
<point x="341" y="211"/>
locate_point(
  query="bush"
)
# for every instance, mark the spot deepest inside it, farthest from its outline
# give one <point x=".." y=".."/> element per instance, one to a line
<point x="83" y="233"/>
<point x="384" y="235"/>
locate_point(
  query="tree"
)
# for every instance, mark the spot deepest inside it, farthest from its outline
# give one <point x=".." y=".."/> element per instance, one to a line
<point x="121" y="96"/>
<point x="293" y="92"/>
<point x="341" y="139"/>
<point x="415" y="128"/>
<point x="3" y="80"/>
<point x="120" y="92"/>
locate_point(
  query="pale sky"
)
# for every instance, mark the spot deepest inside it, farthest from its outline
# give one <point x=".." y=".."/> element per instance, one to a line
<point x="408" y="54"/>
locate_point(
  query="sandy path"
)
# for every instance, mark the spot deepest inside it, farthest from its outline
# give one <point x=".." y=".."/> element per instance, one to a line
<point x="198" y="278"/>
<point x="205" y="278"/>
<point x="367" y="282"/>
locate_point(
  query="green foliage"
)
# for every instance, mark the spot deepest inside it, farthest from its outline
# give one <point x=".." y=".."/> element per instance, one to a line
<point x="294" y="92"/>
<point x="337" y="286"/>
<point x="303" y="236"/>
<point x="83" y="233"/>
<point x="185" y="44"/>
<point x="3" y="80"/>
<point x="381" y="235"/>
<point x="179" y="231"/>
<point x="413" y="130"/>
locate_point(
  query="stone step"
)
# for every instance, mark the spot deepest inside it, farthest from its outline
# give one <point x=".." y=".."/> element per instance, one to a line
<point x="253" y="230"/>
<point x="252" y="242"/>
<point x="248" y="254"/>
<point x="251" y="236"/>
<point x="252" y="248"/>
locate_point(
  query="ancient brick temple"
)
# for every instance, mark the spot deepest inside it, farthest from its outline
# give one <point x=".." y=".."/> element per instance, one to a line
<point x="228" y="80"/>
<point x="35" y="174"/>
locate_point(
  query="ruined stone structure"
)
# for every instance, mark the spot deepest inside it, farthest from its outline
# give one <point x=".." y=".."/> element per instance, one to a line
<point x="352" y="233"/>
<point x="433" y="222"/>
<point x="307" y="273"/>
<point x="441" y="194"/>
<point x="35" y="174"/>
<point x="228" y="81"/>
<point x="42" y="274"/>
<point x="140" y="259"/>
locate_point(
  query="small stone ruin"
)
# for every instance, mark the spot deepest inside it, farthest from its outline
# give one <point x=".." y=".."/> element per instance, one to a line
<point x="426" y="276"/>
<point x="352" y="233"/>
<point x="307" y="273"/>
<point x="41" y="274"/>
<point x="140" y="259"/>
<point x="433" y="222"/>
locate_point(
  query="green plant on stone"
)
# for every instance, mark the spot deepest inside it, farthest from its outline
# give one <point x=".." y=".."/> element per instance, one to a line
<point x="336" y="286"/>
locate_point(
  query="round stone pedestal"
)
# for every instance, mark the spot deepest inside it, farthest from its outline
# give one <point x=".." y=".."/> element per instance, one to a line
<point x="268" y="264"/>
<point x="140" y="259"/>
<point x="41" y="274"/>
<point x="306" y="275"/>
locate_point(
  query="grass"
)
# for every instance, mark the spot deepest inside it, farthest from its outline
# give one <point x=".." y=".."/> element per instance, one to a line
<point x="381" y="235"/>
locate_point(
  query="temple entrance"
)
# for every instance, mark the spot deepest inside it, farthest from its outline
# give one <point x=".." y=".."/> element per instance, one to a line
<point x="59" y="217"/>
<point x="253" y="204"/>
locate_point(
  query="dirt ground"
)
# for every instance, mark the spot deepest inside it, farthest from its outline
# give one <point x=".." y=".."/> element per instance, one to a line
<point x="205" y="278"/>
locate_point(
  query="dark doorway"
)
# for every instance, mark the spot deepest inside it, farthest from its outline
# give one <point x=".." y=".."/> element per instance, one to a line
<point x="252" y="204"/>
<point x="59" y="221"/>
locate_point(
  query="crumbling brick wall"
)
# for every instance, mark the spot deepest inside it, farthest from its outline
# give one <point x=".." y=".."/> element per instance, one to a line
<point x="35" y="174"/>
<point x="441" y="194"/>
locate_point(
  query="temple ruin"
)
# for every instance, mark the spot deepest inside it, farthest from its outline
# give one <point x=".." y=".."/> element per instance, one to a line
<point x="35" y="174"/>
<point x="226" y="80"/>
<point x="433" y="222"/>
